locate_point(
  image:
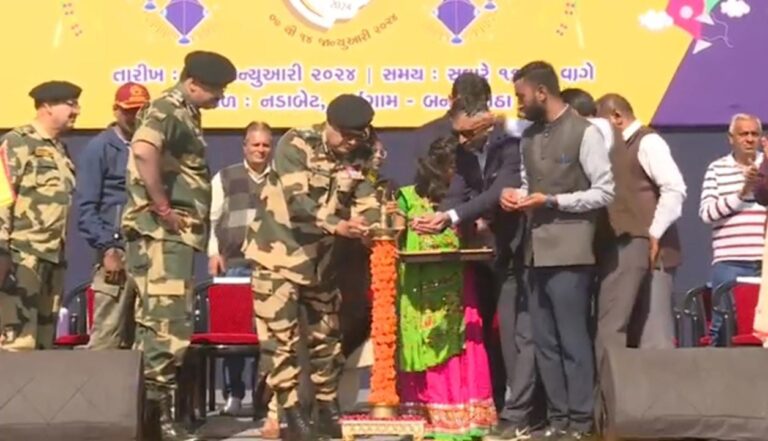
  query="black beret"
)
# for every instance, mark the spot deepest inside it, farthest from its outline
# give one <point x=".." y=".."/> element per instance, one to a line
<point x="350" y="112"/>
<point x="55" y="92"/>
<point x="210" y="68"/>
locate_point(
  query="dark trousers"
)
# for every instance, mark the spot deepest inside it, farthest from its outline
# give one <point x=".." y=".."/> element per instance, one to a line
<point x="487" y="289"/>
<point x="522" y="405"/>
<point x="559" y="310"/>
<point x="234" y="365"/>
<point x="234" y="386"/>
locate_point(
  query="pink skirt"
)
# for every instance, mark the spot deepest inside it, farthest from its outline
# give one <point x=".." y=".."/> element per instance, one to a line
<point x="456" y="396"/>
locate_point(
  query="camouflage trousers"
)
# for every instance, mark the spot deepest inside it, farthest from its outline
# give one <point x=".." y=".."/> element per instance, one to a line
<point x="163" y="274"/>
<point x="28" y="313"/>
<point x="113" y="315"/>
<point x="276" y="301"/>
<point x="266" y="362"/>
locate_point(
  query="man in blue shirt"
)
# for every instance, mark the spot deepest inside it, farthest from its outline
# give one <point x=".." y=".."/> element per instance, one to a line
<point x="100" y="196"/>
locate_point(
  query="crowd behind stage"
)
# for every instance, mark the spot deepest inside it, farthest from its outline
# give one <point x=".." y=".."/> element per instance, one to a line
<point x="578" y="199"/>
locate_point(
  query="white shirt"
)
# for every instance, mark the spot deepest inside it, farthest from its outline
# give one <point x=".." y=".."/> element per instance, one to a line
<point x="481" y="158"/>
<point x="217" y="204"/>
<point x="656" y="160"/>
<point x="606" y="129"/>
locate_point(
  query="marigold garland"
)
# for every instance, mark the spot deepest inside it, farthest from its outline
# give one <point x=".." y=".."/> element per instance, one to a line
<point x="384" y="323"/>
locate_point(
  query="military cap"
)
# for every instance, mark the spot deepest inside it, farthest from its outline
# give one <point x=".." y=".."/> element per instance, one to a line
<point x="55" y="92"/>
<point x="350" y="112"/>
<point x="210" y="68"/>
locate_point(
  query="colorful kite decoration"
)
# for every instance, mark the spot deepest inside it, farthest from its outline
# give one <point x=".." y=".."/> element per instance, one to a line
<point x="696" y="17"/>
<point x="185" y="16"/>
<point x="458" y="15"/>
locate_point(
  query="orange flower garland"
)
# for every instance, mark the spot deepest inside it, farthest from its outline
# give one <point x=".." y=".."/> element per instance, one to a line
<point x="384" y="323"/>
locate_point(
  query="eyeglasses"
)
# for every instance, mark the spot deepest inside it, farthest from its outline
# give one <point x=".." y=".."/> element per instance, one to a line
<point x="356" y="136"/>
<point x="471" y="134"/>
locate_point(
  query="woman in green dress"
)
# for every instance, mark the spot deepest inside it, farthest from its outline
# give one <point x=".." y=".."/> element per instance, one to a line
<point x="443" y="366"/>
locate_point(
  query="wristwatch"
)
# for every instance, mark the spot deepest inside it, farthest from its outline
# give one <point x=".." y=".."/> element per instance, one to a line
<point x="551" y="201"/>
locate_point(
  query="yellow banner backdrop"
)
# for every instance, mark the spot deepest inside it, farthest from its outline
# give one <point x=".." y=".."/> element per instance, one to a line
<point x="294" y="56"/>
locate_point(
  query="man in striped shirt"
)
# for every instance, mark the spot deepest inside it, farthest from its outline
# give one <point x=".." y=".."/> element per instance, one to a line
<point x="728" y="204"/>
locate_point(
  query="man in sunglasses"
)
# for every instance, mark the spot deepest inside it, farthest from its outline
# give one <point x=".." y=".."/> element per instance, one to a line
<point x="486" y="161"/>
<point x="33" y="227"/>
<point x="317" y="190"/>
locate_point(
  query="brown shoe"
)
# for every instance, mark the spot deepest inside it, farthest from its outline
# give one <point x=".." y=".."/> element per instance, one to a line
<point x="270" y="429"/>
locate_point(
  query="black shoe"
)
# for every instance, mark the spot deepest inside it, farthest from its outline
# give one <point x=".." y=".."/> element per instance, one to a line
<point x="328" y="414"/>
<point x="508" y="431"/>
<point x="551" y="434"/>
<point x="170" y="429"/>
<point x="580" y="436"/>
<point x="150" y="425"/>
<point x="297" y="426"/>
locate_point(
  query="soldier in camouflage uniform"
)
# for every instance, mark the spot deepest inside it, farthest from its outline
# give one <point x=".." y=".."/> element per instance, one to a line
<point x="316" y="191"/>
<point x="33" y="228"/>
<point x="165" y="222"/>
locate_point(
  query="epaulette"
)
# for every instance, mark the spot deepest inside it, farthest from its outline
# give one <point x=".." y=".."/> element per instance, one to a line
<point x="311" y="136"/>
<point x="175" y="97"/>
<point x="19" y="133"/>
<point x="25" y="130"/>
<point x="151" y="112"/>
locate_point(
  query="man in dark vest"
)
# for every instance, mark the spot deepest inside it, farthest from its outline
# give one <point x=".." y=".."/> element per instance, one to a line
<point x="234" y="198"/>
<point x="566" y="179"/>
<point x="635" y="302"/>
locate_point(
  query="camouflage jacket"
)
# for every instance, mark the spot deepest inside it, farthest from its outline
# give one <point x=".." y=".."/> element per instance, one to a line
<point x="43" y="177"/>
<point x="307" y="193"/>
<point x="173" y="126"/>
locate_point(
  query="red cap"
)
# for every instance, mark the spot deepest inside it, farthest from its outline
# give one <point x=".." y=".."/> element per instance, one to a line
<point x="131" y="96"/>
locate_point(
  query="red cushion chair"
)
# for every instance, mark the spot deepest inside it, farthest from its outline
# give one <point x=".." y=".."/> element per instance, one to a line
<point x="739" y="312"/>
<point x="81" y="318"/>
<point x="230" y="331"/>
<point x="745" y="297"/>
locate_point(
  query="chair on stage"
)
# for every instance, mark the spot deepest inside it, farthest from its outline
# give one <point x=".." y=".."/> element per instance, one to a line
<point x="693" y="317"/>
<point x="739" y="312"/>
<point x="80" y="318"/>
<point x="225" y="326"/>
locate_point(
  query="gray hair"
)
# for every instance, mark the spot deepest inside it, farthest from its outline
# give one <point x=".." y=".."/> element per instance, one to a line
<point x="744" y="117"/>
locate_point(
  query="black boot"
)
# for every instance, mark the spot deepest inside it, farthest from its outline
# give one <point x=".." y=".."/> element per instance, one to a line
<point x="150" y="427"/>
<point x="328" y="414"/>
<point x="297" y="427"/>
<point x="171" y="430"/>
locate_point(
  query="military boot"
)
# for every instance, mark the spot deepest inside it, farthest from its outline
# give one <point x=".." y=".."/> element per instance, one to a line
<point x="150" y="425"/>
<point x="298" y="427"/>
<point x="328" y="414"/>
<point x="171" y="430"/>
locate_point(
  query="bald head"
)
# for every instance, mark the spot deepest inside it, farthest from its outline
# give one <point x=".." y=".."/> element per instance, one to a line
<point x="616" y="109"/>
